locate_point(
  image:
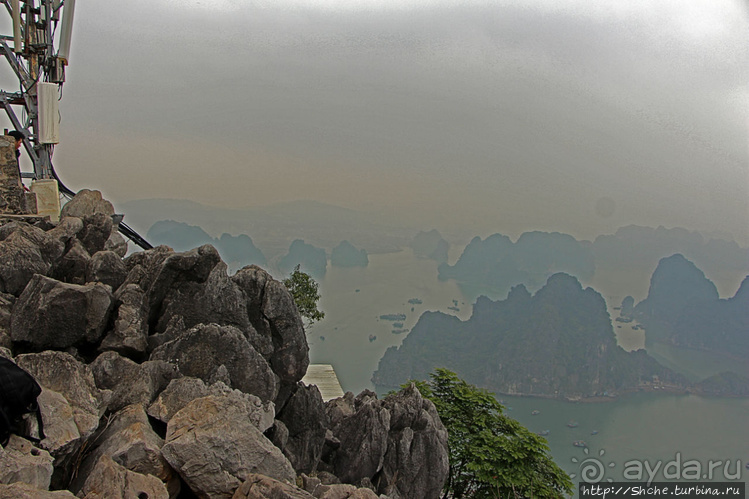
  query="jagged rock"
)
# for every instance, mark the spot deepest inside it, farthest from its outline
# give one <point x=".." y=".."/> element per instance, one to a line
<point x="327" y="478"/>
<point x="278" y="434"/>
<point x="264" y="487"/>
<point x="367" y="428"/>
<point x="117" y="244"/>
<point x="26" y="491"/>
<point x="7" y="302"/>
<point x="53" y="314"/>
<point x="416" y="462"/>
<point x="274" y="316"/>
<point x="66" y="230"/>
<point x="96" y="231"/>
<point x="216" y="300"/>
<point x="182" y="391"/>
<point x="167" y="270"/>
<point x="128" y="439"/>
<point x="174" y="329"/>
<point x="201" y="351"/>
<point x="60" y="428"/>
<point x="73" y="264"/>
<point x="22" y="462"/>
<point x="130" y="333"/>
<point x="109" y="480"/>
<point x="310" y="483"/>
<point x="24" y="251"/>
<point x="304" y="417"/>
<point x="214" y="447"/>
<point x="106" y="267"/>
<point x="62" y="373"/>
<point x="85" y="204"/>
<point x="131" y="383"/>
<point x="344" y="491"/>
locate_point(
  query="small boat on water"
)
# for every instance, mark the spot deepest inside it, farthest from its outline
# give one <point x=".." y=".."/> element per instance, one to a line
<point x="543" y="433"/>
<point x="579" y="443"/>
<point x="572" y="424"/>
<point x="594" y="432"/>
<point x="535" y="413"/>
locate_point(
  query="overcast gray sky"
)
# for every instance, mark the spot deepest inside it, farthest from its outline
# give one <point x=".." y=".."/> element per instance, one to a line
<point x="502" y="116"/>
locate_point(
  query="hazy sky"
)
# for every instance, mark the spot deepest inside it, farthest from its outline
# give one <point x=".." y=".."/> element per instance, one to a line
<point x="504" y="116"/>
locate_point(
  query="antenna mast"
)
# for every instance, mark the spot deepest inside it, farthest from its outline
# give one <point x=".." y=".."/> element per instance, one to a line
<point x="40" y="69"/>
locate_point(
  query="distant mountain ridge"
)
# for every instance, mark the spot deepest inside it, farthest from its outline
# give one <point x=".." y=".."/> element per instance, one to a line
<point x="557" y="343"/>
<point x="683" y="309"/>
<point x="236" y="251"/>
<point x="495" y="264"/>
<point x="274" y="227"/>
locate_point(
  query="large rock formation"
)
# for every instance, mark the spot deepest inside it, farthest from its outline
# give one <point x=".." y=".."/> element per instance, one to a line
<point x="497" y="264"/>
<point x="556" y="343"/>
<point x="161" y="373"/>
<point x="683" y="309"/>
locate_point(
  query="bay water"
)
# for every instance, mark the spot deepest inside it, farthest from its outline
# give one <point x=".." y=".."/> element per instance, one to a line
<point x="671" y="432"/>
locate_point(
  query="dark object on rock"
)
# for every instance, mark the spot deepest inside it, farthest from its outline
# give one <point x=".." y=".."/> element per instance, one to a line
<point x="18" y="393"/>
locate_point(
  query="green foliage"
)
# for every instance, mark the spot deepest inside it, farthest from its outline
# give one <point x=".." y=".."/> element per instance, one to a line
<point x="304" y="290"/>
<point x="491" y="454"/>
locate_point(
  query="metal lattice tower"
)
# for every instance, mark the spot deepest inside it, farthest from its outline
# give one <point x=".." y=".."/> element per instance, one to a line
<point x="40" y="68"/>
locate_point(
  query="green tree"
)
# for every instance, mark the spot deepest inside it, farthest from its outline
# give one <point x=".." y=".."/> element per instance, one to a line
<point x="304" y="290"/>
<point x="491" y="454"/>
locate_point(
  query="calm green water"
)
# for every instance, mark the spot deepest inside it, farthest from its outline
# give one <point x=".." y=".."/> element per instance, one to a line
<point x="638" y="427"/>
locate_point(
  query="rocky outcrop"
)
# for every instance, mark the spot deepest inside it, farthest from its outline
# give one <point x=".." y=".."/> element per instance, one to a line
<point x="405" y="440"/>
<point x="214" y="446"/>
<point x="162" y="375"/>
<point x="220" y="353"/>
<point x="53" y="314"/>
<point x="346" y="255"/>
<point x="22" y="462"/>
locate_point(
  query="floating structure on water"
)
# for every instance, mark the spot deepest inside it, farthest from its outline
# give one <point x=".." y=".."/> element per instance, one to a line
<point x="324" y="377"/>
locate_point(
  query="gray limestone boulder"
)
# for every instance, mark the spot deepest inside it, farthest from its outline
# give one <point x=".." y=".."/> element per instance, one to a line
<point x="306" y="421"/>
<point x="24" y="251"/>
<point x="182" y="391"/>
<point x="264" y="487"/>
<point x="130" y="382"/>
<point x="274" y="316"/>
<point x="71" y="267"/>
<point x="62" y="373"/>
<point x="166" y="271"/>
<point x="345" y="491"/>
<point x="214" y="447"/>
<point x="128" y="439"/>
<point x="220" y="353"/>
<point x="66" y="230"/>
<point x="7" y="301"/>
<point x="53" y="314"/>
<point x="21" y="490"/>
<point x="85" y="204"/>
<point x="109" y="480"/>
<point x="416" y="462"/>
<point x="216" y="300"/>
<point x="129" y="336"/>
<point x="106" y="267"/>
<point x="117" y="244"/>
<point x="20" y="461"/>
<point x="363" y="437"/>
<point x="62" y="435"/>
<point x="96" y="231"/>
